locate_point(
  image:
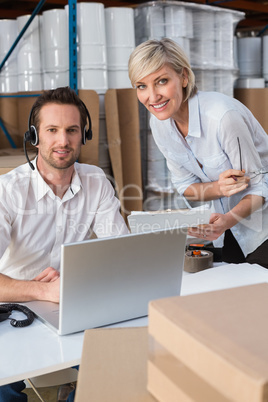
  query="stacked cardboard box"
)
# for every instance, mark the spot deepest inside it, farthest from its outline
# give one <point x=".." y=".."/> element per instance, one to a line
<point x="113" y="366"/>
<point x="210" y="347"/>
<point x="256" y="100"/>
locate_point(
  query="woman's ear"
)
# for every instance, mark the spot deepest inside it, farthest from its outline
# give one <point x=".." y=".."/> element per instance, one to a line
<point x="184" y="78"/>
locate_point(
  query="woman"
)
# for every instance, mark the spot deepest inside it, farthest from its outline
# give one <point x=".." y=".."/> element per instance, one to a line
<point x="215" y="149"/>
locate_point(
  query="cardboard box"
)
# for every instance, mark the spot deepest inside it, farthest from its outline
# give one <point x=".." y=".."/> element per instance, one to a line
<point x="9" y="116"/>
<point x="25" y="104"/>
<point x="123" y="133"/>
<point x="221" y="336"/>
<point x="10" y="158"/>
<point x="256" y="100"/>
<point x="114" y="366"/>
<point x="90" y="151"/>
<point x="171" y="381"/>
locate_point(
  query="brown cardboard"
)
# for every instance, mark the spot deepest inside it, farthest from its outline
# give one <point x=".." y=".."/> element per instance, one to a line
<point x="113" y="366"/>
<point x="114" y="140"/>
<point x="256" y="100"/>
<point x="25" y="104"/>
<point x="131" y="149"/>
<point x="90" y="151"/>
<point x="171" y="381"/>
<point x="122" y="118"/>
<point x="221" y="336"/>
<point x="9" y="116"/>
<point x="10" y="158"/>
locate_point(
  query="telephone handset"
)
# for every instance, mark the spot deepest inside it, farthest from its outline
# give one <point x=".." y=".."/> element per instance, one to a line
<point x="6" y="310"/>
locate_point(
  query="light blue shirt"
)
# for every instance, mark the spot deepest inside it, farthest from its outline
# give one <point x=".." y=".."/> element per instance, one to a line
<point x="215" y="122"/>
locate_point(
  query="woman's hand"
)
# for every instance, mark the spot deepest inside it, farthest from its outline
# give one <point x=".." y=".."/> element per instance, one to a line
<point x="217" y="225"/>
<point x="232" y="182"/>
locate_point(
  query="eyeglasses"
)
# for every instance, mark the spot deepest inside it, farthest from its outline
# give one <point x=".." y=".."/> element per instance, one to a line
<point x="250" y="174"/>
<point x="256" y="173"/>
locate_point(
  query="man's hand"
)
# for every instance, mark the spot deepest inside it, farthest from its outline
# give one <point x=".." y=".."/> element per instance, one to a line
<point x="48" y="275"/>
<point x="232" y="181"/>
<point x="50" y="288"/>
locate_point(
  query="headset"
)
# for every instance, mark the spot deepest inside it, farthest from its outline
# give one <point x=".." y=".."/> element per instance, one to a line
<point x="32" y="136"/>
<point x="6" y="310"/>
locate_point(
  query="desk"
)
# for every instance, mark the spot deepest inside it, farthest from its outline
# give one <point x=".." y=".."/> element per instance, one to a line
<point x="37" y="350"/>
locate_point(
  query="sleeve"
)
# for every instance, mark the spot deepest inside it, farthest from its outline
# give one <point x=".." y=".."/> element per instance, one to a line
<point x="236" y="137"/>
<point x="108" y="220"/>
<point x="5" y="223"/>
<point x="177" y="160"/>
<point x="181" y="178"/>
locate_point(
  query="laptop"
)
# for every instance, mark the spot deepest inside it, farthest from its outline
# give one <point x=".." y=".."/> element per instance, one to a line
<point x="110" y="280"/>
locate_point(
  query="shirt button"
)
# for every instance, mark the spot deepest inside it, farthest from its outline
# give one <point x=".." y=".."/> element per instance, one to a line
<point x="59" y="229"/>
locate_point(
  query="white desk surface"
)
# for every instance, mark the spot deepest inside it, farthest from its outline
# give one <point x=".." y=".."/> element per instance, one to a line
<point x="37" y="350"/>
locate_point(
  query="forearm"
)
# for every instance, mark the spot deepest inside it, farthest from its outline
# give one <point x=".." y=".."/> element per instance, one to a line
<point x="203" y="191"/>
<point x="230" y="182"/>
<point x="243" y="209"/>
<point x="13" y="290"/>
<point x="219" y="223"/>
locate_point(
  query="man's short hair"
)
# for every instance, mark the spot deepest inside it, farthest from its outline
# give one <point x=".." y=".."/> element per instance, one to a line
<point x="61" y="96"/>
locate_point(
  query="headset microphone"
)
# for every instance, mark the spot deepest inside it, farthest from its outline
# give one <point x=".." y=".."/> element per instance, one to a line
<point x="25" y="140"/>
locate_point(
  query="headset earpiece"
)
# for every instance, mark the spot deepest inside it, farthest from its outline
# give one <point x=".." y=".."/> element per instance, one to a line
<point x="87" y="133"/>
<point x="31" y="136"/>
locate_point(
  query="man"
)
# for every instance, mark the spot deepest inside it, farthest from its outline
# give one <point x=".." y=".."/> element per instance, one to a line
<point x="55" y="200"/>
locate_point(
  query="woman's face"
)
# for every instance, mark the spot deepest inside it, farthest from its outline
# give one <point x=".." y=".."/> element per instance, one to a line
<point x="162" y="93"/>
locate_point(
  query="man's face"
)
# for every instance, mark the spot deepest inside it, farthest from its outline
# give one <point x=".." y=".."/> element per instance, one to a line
<point x="60" y="136"/>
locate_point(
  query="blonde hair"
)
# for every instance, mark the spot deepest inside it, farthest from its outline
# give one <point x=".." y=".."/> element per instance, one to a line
<point x="152" y="55"/>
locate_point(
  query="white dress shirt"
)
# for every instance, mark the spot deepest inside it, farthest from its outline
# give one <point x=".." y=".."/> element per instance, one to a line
<point x="215" y="122"/>
<point x="34" y="222"/>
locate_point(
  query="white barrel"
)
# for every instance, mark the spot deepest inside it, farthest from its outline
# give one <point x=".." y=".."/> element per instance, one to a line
<point x="95" y="79"/>
<point x="91" y="55"/>
<point x="30" y="82"/>
<point x="55" y="33"/>
<point x="119" y="79"/>
<point x="249" y="56"/>
<point x="91" y="23"/>
<point x="119" y="26"/>
<point x="55" y="60"/>
<point x="120" y="36"/>
<point x="55" y="79"/>
<point x="265" y="57"/>
<point x="149" y="21"/>
<point x="29" y="56"/>
<point x="8" y="83"/>
<point x="250" y="83"/>
<point x="175" y="21"/>
<point x="8" y="34"/>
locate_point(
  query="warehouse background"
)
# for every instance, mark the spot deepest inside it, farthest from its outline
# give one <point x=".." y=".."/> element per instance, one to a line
<point x="226" y="41"/>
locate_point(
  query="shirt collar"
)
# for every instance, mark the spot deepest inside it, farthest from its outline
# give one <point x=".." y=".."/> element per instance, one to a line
<point x="42" y="188"/>
<point x="76" y="183"/>
<point x="194" y="117"/>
